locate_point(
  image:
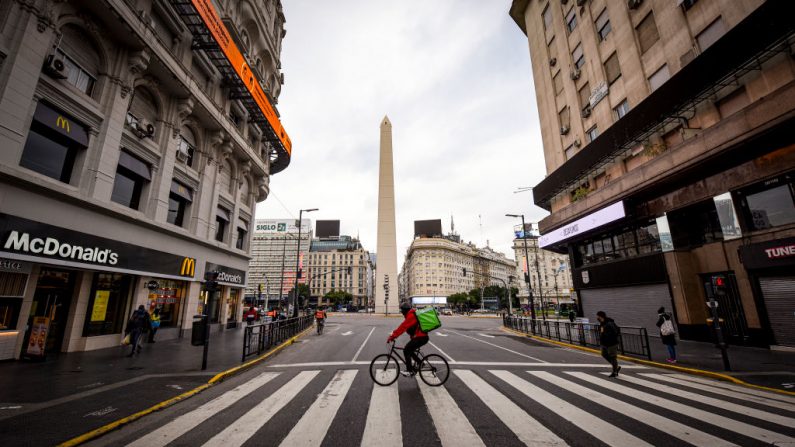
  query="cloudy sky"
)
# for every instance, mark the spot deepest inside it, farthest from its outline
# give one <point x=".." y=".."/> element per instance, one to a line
<point x="454" y="78"/>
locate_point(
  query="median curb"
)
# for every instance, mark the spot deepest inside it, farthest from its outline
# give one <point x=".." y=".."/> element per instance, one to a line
<point x="682" y="369"/>
<point x="218" y="378"/>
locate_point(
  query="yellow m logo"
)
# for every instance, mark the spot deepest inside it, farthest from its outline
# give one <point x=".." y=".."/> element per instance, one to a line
<point x="188" y="267"/>
<point x="63" y="123"/>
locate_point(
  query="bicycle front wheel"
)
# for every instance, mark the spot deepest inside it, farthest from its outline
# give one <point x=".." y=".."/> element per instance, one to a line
<point x="434" y="370"/>
<point x="384" y="370"/>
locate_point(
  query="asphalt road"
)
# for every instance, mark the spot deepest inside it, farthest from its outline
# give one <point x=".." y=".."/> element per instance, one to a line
<point x="504" y="391"/>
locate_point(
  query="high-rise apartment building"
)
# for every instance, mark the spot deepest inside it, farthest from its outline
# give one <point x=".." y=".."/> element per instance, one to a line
<point x="339" y="263"/>
<point x="550" y="268"/>
<point x="667" y="134"/>
<point x="274" y="248"/>
<point x="136" y="139"/>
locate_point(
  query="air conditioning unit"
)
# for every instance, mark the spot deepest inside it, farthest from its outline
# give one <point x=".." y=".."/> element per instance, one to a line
<point x="575" y="74"/>
<point x="564" y="130"/>
<point x="634" y="4"/>
<point x="143" y="128"/>
<point x="182" y="154"/>
<point x="577" y="143"/>
<point x="553" y="62"/>
<point x="586" y="112"/>
<point x="56" y="67"/>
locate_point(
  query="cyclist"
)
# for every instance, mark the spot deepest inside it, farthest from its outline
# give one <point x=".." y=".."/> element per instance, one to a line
<point x="320" y="318"/>
<point x="418" y="338"/>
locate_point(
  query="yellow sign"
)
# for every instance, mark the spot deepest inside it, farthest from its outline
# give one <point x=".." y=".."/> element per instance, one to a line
<point x="188" y="267"/>
<point x="100" y="305"/>
<point x="63" y="123"/>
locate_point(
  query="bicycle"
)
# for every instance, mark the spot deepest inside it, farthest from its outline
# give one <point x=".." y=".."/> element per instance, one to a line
<point x="320" y="324"/>
<point x="385" y="368"/>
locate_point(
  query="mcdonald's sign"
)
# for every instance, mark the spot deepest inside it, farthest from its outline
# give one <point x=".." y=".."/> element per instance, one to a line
<point x="188" y="267"/>
<point x="63" y="123"/>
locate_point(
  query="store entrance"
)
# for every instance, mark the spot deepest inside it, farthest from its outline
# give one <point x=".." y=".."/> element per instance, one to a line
<point x="48" y="313"/>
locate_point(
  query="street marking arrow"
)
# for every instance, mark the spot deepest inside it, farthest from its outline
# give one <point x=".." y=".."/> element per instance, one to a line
<point x="441" y="334"/>
<point x="347" y="333"/>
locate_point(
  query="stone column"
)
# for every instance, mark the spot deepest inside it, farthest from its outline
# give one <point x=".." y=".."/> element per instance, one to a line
<point x="386" y="270"/>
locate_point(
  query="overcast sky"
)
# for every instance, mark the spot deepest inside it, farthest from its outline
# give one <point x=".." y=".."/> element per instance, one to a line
<point x="454" y="78"/>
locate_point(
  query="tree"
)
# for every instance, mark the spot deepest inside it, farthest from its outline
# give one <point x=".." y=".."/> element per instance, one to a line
<point x="458" y="300"/>
<point x="338" y="297"/>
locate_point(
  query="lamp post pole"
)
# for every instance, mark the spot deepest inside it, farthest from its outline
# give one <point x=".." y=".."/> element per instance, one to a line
<point x="298" y="260"/>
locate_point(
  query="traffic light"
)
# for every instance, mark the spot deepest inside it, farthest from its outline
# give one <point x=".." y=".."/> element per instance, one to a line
<point x="719" y="285"/>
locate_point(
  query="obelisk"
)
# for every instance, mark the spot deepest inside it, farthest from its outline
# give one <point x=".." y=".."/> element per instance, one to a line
<point x="386" y="296"/>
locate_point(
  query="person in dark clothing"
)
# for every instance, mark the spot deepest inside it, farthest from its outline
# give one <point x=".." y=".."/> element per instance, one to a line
<point x="667" y="333"/>
<point x="608" y="340"/>
<point x="138" y="324"/>
<point x="418" y="338"/>
<point x="572" y="315"/>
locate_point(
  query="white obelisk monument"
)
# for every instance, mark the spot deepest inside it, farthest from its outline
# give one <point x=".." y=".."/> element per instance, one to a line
<point x="386" y="295"/>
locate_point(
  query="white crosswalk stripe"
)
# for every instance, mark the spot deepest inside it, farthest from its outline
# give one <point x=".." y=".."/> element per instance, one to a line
<point x="312" y="428"/>
<point x="451" y="424"/>
<point x="673" y="428"/>
<point x="255" y="418"/>
<point x="527" y="429"/>
<point x="737" y="388"/>
<point x="188" y="421"/>
<point x="705" y="416"/>
<point x="383" y="427"/>
<point x="597" y="427"/>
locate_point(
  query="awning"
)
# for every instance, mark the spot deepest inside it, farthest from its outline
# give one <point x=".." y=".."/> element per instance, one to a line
<point x="135" y="165"/>
<point x="61" y="123"/>
<point x="182" y="191"/>
<point x="222" y="214"/>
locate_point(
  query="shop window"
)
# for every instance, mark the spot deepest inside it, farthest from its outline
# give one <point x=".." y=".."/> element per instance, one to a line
<point x="577" y="57"/>
<point x="772" y="207"/>
<point x="647" y="33"/>
<point x="603" y="27"/>
<point x="571" y="20"/>
<point x="695" y="225"/>
<point x="132" y="175"/>
<point x="106" y="304"/>
<point x="659" y="77"/>
<point x="621" y="109"/>
<point x="179" y="199"/>
<point x="612" y="68"/>
<point x="9" y="312"/>
<point x="221" y="223"/>
<point x="168" y="297"/>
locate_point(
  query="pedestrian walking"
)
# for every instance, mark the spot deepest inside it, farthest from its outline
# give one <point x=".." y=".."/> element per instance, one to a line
<point x="608" y="340"/>
<point x="667" y="333"/>
<point x="138" y="324"/>
<point x="572" y="315"/>
<point x="154" y="324"/>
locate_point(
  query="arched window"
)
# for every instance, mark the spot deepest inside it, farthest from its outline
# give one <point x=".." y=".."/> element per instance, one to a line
<point x="142" y="108"/>
<point x="81" y="58"/>
<point x="187" y="146"/>
<point x="225" y="178"/>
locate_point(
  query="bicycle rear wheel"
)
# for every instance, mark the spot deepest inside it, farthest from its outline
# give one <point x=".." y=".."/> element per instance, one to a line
<point x="434" y="370"/>
<point x="384" y="370"/>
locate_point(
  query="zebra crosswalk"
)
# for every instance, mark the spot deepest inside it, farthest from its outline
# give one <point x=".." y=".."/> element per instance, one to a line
<point x="479" y="407"/>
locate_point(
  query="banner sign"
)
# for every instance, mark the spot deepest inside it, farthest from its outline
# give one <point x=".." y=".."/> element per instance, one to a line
<point x="227" y="275"/>
<point x="38" y="336"/>
<point x="594" y="220"/>
<point x="100" y="308"/>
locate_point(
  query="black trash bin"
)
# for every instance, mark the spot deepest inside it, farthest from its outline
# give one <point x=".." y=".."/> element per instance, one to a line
<point x="197" y="334"/>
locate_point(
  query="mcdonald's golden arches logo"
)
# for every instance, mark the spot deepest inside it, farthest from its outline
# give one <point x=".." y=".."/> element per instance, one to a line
<point x="63" y="123"/>
<point x="188" y="267"/>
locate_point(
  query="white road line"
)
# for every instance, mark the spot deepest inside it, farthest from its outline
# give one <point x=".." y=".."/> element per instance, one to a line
<point x="190" y="420"/>
<point x="314" y="424"/>
<point x="673" y="428"/>
<point x="528" y="430"/>
<point x="498" y="346"/>
<point x="441" y="334"/>
<point x="462" y="363"/>
<point x="723" y="392"/>
<point x="355" y="356"/>
<point x="737" y="388"/>
<point x="747" y="411"/>
<point x="443" y="353"/>
<point x="452" y="426"/>
<point x="485" y="335"/>
<point x="257" y="417"/>
<point x="596" y="427"/>
<point x="347" y="333"/>
<point x="383" y="426"/>
<point x="708" y="417"/>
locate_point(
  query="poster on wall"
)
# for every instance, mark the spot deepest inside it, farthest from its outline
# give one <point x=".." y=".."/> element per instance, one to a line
<point x="100" y="308"/>
<point x="38" y="336"/>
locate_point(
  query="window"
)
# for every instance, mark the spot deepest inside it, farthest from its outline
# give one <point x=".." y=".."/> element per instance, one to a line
<point x="621" y="109"/>
<point x="772" y="207"/>
<point x="585" y="94"/>
<point x="570" y="151"/>
<point x="557" y="82"/>
<point x="546" y="16"/>
<point x="695" y="225"/>
<point x="179" y="199"/>
<point x="647" y="32"/>
<point x="221" y="222"/>
<point x="563" y="115"/>
<point x="235" y="118"/>
<point x="81" y="58"/>
<point x="571" y="20"/>
<point x="105" y="313"/>
<point x="186" y="147"/>
<point x="612" y="68"/>
<point x="76" y="75"/>
<point x="659" y="77"/>
<point x="711" y="33"/>
<point x="592" y="133"/>
<point x="47" y="154"/>
<point x="603" y="25"/>
<point x="578" y="57"/>
<point x="132" y="174"/>
<point x="242" y="234"/>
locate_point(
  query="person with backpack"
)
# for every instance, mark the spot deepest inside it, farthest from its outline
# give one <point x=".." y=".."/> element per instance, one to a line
<point x="138" y="324"/>
<point x="608" y="340"/>
<point x="320" y="319"/>
<point x="667" y="333"/>
<point x="418" y="338"/>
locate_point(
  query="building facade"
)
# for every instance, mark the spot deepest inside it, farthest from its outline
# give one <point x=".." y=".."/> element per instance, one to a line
<point x="128" y="171"/>
<point x="551" y="268"/>
<point x="274" y="251"/>
<point x="339" y="263"/>
<point x="434" y="267"/>
<point x="666" y="134"/>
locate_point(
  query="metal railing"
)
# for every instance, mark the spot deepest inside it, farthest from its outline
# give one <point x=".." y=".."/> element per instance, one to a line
<point x="260" y="337"/>
<point x="632" y="340"/>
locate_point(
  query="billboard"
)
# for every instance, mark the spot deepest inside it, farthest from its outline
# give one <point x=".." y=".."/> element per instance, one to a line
<point x="281" y="226"/>
<point x="327" y="228"/>
<point x="428" y="228"/>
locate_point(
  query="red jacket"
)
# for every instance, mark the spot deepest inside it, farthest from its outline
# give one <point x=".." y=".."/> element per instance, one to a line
<point x="411" y="325"/>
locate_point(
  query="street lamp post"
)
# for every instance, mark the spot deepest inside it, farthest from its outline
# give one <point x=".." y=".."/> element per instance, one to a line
<point x="527" y="268"/>
<point x="298" y="259"/>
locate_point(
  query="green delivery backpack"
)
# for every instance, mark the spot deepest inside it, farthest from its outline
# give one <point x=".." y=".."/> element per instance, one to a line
<point x="429" y="319"/>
